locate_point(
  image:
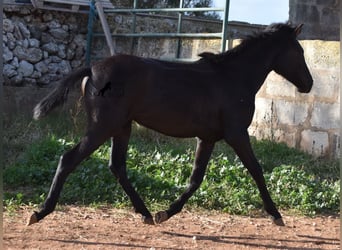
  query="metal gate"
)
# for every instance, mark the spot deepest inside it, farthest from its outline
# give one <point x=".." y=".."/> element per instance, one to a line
<point x="96" y="8"/>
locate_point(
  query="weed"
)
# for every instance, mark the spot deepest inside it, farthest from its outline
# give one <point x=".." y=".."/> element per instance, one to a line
<point x="159" y="168"/>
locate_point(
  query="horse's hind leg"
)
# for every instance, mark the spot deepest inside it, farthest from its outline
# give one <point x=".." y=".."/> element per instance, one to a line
<point x="203" y="153"/>
<point x="66" y="165"/>
<point x="241" y="144"/>
<point x="117" y="165"/>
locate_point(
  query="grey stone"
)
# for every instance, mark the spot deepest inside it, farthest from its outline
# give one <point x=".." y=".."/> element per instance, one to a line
<point x="54" y="24"/>
<point x="25" y="10"/>
<point x="35" y="55"/>
<point x="76" y="63"/>
<point x="47" y="38"/>
<point x="36" y="74"/>
<point x="28" y="18"/>
<point x="51" y="48"/>
<point x="64" y="67"/>
<point x="7" y="25"/>
<point x="24" y="30"/>
<point x="11" y="41"/>
<point x="70" y="54"/>
<point x="25" y="68"/>
<point x="7" y="54"/>
<point x="15" y="62"/>
<point x="35" y="31"/>
<point x="9" y="71"/>
<point x="47" y="17"/>
<point x="45" y="54"/>
<point x="31" y="55"/>
<point x="41" y="67"/>
<point x="73" y="27"/>
<point x="80" y="40"/>
<point x="61" y="51"/>
<point x="53" y="68"/>
<point x="17" y="34"/>
<point x="65" y="27"/>
<point x="59" y="34"/>
<point x="79" y="53"/>
<point x="34" y="43"/>
<point x="55" y="59"/>
<point x="24" y="43"/>
<point x="4" y="39"/>
<point x="20" y="52"/>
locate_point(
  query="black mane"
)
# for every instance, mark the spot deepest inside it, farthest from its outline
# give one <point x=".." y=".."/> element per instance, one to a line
<point x="276" y="31"/>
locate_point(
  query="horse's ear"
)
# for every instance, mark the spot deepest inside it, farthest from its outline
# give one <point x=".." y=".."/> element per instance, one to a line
<point x="298" y="29"/>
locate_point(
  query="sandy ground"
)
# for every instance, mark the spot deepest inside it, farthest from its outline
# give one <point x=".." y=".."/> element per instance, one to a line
<point x="75" y="227"/>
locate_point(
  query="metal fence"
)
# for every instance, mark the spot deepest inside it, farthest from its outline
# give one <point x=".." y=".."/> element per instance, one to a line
<point x="134" y="11"/>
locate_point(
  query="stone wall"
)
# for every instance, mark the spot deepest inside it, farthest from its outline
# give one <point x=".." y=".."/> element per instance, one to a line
<point x="322" y="17"/>
<point x="41" y="47"/>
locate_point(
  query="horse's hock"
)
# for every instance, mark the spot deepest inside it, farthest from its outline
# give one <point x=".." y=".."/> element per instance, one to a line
<point x="41" y="47"/>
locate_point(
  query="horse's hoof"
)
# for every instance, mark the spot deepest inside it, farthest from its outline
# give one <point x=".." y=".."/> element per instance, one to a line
<point x="161" y="217"/>
<point x="279" y="222"/>
<point x="148" y="220"/>
<point x="33" y="219"/>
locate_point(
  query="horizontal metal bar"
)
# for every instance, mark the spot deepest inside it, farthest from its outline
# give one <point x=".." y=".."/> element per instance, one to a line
<point x="163" y="10"/>
<point x="172" y="35"/>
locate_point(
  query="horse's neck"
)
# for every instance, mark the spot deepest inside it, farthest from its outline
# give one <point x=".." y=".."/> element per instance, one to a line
<point x="261" y="58"/>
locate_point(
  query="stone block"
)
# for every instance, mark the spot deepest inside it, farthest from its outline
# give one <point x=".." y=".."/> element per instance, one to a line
<point x="326" y="84"/>
<point x="322" y="54"/>
<point x="326" y="115"/>
<point x="306" y="13"/>
<point x="274" y="134"/>
<point x="316" y="143"/>
<point x="263" y="111"/>
<point x="291" y="113"/>
<point x="277" y="85"/>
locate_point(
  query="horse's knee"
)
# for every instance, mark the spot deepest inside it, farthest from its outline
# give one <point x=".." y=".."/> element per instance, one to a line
<point x="117" y="170"/>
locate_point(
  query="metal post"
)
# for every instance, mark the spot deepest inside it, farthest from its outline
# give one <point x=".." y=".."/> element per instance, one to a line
<point x="133" y="25"/>
<point x="179" y="29"/>
<point x="90" y="31"/>
<point x="225" y="26"/>
<point x="105" y="27"/>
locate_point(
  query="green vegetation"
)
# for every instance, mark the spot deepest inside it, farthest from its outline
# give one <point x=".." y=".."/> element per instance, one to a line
<point x="159" y="168"/>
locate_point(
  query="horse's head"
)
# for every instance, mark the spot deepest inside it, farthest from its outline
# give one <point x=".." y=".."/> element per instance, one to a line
<point x="290" y="63"/>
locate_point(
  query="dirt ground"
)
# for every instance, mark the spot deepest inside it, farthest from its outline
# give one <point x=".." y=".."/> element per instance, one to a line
<point x="105" y="228"/>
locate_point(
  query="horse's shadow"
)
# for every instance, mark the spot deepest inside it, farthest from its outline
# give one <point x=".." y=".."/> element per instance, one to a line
<point x="109" y="244"/>
<point x="246" y="241"/>
<point x="252" y="241"/>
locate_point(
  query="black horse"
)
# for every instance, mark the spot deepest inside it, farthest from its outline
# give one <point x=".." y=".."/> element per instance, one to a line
<point x="211" y="99"/>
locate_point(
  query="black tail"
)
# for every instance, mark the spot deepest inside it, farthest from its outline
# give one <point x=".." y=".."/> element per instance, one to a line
<point x="59" y="94"/>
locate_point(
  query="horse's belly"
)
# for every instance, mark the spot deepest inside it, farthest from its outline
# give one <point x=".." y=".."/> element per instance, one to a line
<point x="184" y="126"/>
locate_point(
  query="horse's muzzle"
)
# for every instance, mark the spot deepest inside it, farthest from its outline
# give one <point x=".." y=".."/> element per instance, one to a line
<point x="307" y="88"/>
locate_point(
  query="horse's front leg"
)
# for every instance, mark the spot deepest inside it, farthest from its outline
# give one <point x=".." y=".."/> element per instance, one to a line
<point x="117" y="165"/>
<point x="66" y="165"/>
<point x="241" y="144"/>
<point x="203" y="153"/>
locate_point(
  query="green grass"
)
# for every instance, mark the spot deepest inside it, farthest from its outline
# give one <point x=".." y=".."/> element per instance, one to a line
<point x="159" y="168"/>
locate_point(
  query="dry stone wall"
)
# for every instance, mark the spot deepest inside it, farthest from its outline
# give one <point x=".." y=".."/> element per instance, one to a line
<point x="41" y="47"/>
